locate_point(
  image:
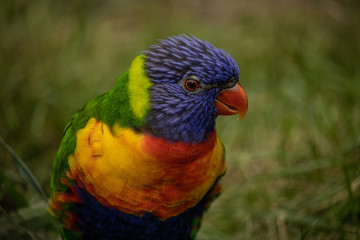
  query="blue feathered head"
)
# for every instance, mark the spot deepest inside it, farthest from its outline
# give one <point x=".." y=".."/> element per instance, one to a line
<point x="188" y="77"/>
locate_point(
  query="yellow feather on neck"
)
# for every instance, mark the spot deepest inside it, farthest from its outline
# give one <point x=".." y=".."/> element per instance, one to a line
<point x="138" y="87"/>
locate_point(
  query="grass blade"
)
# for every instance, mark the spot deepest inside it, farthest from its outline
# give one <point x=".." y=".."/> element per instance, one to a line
<point x="24" y="170"/>
<point x="29" y="177"/>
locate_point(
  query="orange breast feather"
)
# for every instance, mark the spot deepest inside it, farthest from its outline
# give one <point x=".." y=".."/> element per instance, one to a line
<point x="138" y="173"/>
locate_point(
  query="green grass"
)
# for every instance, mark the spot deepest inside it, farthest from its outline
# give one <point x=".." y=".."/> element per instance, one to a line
<point x="293" y="169"/>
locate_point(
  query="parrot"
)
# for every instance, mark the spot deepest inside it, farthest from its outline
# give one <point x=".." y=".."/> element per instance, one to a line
<point x="143" y="160"/>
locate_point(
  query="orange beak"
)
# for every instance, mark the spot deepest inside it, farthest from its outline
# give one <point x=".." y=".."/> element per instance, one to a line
<point x="232" y="101"/>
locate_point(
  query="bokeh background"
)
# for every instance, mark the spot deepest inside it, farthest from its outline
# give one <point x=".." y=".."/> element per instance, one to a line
<point x="292" y="163"/>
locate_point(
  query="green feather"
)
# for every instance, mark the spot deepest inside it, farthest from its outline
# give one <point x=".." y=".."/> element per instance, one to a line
<point x="111" y="107"/>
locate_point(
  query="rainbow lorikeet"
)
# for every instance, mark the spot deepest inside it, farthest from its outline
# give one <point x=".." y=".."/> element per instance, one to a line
<point x="143" y="160"/>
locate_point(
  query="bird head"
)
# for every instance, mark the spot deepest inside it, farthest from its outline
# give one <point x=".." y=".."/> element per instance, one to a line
<point x="190" y="83"/>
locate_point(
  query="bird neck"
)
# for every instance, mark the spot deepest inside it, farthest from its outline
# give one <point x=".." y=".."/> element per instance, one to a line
<point x="128" y="102"/>
<point x="181" y="129"/>
<point x="178" y="152"/>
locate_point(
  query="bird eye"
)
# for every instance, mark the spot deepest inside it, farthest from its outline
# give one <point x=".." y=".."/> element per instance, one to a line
<point x="191" y="85"/>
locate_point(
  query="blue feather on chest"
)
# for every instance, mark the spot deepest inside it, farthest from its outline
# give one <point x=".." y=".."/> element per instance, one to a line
<point x="98" y="222"/>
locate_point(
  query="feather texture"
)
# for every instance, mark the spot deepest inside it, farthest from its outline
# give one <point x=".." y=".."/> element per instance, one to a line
<point x="138" y="173"/>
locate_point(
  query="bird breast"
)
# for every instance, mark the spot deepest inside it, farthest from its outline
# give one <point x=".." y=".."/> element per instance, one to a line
<point x="138" y="173"/>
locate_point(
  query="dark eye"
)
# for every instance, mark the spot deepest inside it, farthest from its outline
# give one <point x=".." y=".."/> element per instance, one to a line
<point x="191" y="84"/>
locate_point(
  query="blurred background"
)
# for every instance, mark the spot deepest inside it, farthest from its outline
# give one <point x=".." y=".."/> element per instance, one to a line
<point x="293" y="163"/>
